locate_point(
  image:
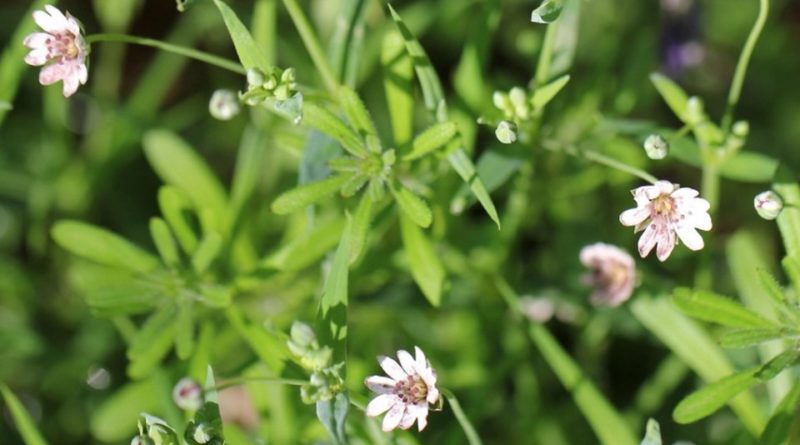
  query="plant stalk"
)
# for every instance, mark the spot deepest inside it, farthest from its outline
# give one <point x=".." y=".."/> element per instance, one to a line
<point x="312" y="45"/>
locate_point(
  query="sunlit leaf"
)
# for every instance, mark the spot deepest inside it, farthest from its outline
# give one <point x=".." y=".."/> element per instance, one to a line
<point x="360" y="227"/>
<point x="709" y="399"/>
<point x="306" y="195"/>
<point x="356" y="112"/>
<point x="323" y="120"/>
<point x="101" y="246"/>
<point x="711" y="307"/>
<point x="413" y="206"/>
<point x="672" y="94"/>
<point x="165" y="243"/>
<point x="434" y="138"/>
<point x="397" y="77"/>
<point x="246" y="48"/>
<point x="423" y="261"/>
<point x="544" y="94"/>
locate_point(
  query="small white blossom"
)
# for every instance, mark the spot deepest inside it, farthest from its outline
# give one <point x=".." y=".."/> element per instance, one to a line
<point x="613" y="273"/>
<point x="187" y="394"/>
<point x="406" y="394"/>
<point x="224" y="105"/>
<point x="60" y="47"/>
<point x="768" y="204"/>
<point x="667" y="213"/>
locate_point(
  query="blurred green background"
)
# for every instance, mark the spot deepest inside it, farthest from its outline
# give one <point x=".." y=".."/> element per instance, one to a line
<point x="82" y="158"/>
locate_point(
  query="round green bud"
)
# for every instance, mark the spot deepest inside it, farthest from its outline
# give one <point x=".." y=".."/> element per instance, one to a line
<point x="255" y="78"/>
<point x="741" y="129"/>
<point x="506" y="132"/>
<point x="656" y="147"/>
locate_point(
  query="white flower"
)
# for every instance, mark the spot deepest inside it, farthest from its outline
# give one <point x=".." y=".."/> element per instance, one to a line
<point x="768" y="204"/>
<point x="613" y="273"/>
<point x="60" y="47"/>
<point x="406" y="394"/>
<point x="187" y="394"/>
<point x="224" y="105"/>
<point x="666" y="212"/>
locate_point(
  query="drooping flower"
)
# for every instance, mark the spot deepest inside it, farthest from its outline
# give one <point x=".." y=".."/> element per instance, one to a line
<point x="613" y="273"/>
<point x="666" y="213"/>
<point x="60" y="48"/>
<point x="406" y="394"/>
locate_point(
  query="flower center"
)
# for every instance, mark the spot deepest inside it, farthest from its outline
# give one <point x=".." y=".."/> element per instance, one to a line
<point x="411" y="390"/>
<point x="663" y="205"/>
<point x="63" y="45"/>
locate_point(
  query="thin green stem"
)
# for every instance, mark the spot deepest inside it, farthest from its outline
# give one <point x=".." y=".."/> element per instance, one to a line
<point x="313" y="47"/>
<point x="469" y="430"/>
<point x="242" y="380"/>
<point x="741" y="66"/>
<point x="546" y="55"/>
<point x="600" y="158"/>
<point x="176" y="49"/>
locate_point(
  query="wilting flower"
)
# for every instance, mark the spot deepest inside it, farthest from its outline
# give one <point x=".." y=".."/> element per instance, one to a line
<point x="613" y="273"/>
<point x="187" y="394"/>
<point x="60" y="47"/>
<point x="406" y="394"/>
<point x="667" y="213"/>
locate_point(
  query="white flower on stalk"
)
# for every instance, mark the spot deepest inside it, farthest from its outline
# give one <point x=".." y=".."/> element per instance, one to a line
<point x="613" y="273"/>
<point x="60" y="47"/>
<point x="406" y="394"/>
<point x="666" y="213"/>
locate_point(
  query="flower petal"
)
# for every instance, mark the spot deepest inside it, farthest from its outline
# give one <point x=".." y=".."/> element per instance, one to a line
<point x="433" y="394"/>
<point x="83" y="73"/>
<point x="381" y="404"/>
<point x="422" y="362"/>
<point x="71" y="84"/>
<point x="635" y="216"/>
<point x="666" y="243"/>
<point x="690" y="237"/>
<point x="37" y="40"/>
<point x="407" y="362"/>
<point x="393" y="417"/>
<point x="408" y="419"/>
<point x="701" y="221"/>
<point x="37" y="57"/>
<point x="392" y="368"/>
<point x="52" y="74"/>
<point x="47" y="22"/>
<point x="422" y="417"/>
<point x="647" y="241"/>
<point x="685" y="192"/>
<point x="380" y="384"/>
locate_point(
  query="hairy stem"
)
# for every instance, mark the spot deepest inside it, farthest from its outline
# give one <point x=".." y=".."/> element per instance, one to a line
<point x="741" y="66"/>
<point x="175" y="49"/>
<point x="311" y="42"/>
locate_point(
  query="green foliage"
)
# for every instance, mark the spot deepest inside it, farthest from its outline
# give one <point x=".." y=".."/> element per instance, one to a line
<point x="25" y="425"/>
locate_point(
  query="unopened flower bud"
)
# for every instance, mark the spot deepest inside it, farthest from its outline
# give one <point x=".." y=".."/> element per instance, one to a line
<point x="768" y="204"/>
<point x="282" y="92"/>
<point x="517" y="96"/>
<point x="656" y="147"/>
<point x="741" y="129"/>
<point x="506" y="132"/>
<point x="302" y="334"/>
<point x="201" y="434"/>
<point x="224" y="105"/>
<point x="187" y="394"/>
<point x="694" y="110"/>
<point x="288" y="76"/>
<point x="270" y="82"/>
<point x="500" y="100"/>
<point x="255" y="78"/>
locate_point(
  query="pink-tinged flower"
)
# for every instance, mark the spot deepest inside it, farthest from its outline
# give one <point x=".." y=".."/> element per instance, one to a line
<point x="667" y="213"/>
<point x="187" y="394"/>
<point x="613" y="273"/>
<point x="406" y="394"/>
<point x="60" y="47"/>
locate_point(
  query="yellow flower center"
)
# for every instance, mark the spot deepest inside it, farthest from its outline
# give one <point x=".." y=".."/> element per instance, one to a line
<point x="663" y="205"/>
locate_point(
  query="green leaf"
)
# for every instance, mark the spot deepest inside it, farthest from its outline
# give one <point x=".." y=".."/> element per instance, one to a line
<point x="777" y="364"/>
<point x="176" y="209"/>
<point x="744" y="338"/>
<point x="101" y="246"/>
<point x="360" y="227"/>
<point x="111" y="291"/>
<point x="748" y="166"/>
<point x="246" y="48"/>
<point x="22" y="420"/>
<point x="606" y="422"/>
<point x="152" y="342"/>
<point x="709" y="399"/>
<point x="413" y="206"/>
<point x="12" y="62"/>
<point x="114" y="420"/>
<point x="780" y="423"/>
<point x="466" y="169"/>
<point x="306" y="195"/>
<point x="770" y="286"/>
<point x="791" y="266"/>
<point x="708" y="306"/>
<point x="653" y="434"/>
<point x="696" y="348"/>
<point x="307" y="249"/>
<point x="345" y="49"/>
<point x="356" y="112"/>
<point x="672" y="94"/>
<point x="323" y="120"/>
<point x="165" y="243"/>
<point x="176" y="163"/>
<point x="423" y="261"/>
<point x="335" y="291"/>
<point x="544" y="94"/>
<point x="547" y="12"/>
<point x="432" y="90"/>
<point x="496" y="167"/>
<point x="184" y="331"/>
<point x="206" y="252"/>
<point x="332" y="414"/>
<point x="398" y="72"/>
<point x="785" y="184"/>
<point x="270" y="349"/>
<point x="249" y="169"/>
<point x="431" y="139"/>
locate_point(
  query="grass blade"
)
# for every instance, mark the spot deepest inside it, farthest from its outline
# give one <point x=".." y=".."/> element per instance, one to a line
<point x="23" y="420"/>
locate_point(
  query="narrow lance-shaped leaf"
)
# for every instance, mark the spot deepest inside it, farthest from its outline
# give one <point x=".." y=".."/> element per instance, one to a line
<point x="111" y="291"/>
<point x="547" y="12"/>
<point x="176" y="163"/>
<point x="165" y="243"/>
<point x="306" y="249"/>
<point x="101" y="246"/>
<point x="413" y="206"/>
<point x="333" y="304"/>
<point x="672" y="94"/>
<point x="176" y="209"/>
<point x="466" y="169"/>
<point x="152" y="342"/>
<point x="780" y="423"/>
<point x="423" y="261"/>
<point x="356" y="112"/>
<point x="246" y="48"/>
<point x="744" y="338"/>
<point x="785" y="184"/>
<point x="347" y="40"/>
<point x="206" y="252"/>
<point x="22" y="420"/>
<point x="770" y="286"/>
<point x="777" y="364"/>
<point x="709" y="399"/>
<point x="434" y="138"/>
<point x="305" y="195"/>
<point x="360" y="227"/>
<point x="544" y="94"/>
<point x="323" y="120"/>
<point x="711" y="307"/>
<point x="332" y="414"/>
<point x="398" y="72"/>
<point x="184" y="331"/>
